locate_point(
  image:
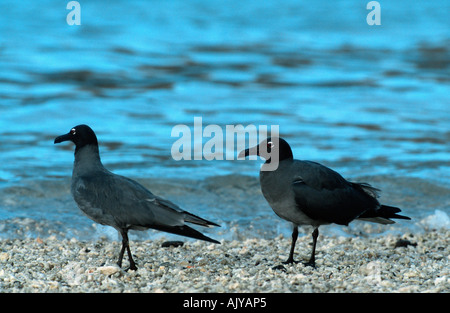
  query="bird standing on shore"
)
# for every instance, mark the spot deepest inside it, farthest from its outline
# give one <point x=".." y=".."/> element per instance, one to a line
<point x="120" y="202"/>
<point x="308" y="193"/>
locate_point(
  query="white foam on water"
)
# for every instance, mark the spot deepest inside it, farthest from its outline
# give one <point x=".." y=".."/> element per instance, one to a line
<point x="439" y="219"/>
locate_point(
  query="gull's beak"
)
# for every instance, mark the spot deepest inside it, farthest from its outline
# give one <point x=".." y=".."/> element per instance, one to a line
<point x="62" y="138"/>
<point x="247" y="152"/>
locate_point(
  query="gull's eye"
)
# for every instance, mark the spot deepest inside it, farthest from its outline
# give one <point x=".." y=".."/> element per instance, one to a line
<point x="73" y="131"/>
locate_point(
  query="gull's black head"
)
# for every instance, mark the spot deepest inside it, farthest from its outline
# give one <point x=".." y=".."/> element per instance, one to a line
<point x="269" y="146"/>
<point x="81" y="135"/>
<point x="284" y="149"/>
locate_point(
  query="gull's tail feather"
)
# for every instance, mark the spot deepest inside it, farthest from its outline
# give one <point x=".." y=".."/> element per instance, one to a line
<point x="383" y="215"/>
<point x="194" y="219"/>
<point x="184" y="231"/>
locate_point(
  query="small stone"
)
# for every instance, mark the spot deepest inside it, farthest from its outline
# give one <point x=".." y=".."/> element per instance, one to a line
<point x="279" y="267"/>
<point x="53" y="285"/>
<point x="440" y="280"/>
<point x="404" y="243"/>
<point x="108" y="270"/>
<point x="167" y="244"/>
<point x="410" y="274"/>
<point x="4" y="257"/>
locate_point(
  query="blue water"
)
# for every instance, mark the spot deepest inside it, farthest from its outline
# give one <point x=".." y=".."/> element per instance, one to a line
<point x="372" y="102"/>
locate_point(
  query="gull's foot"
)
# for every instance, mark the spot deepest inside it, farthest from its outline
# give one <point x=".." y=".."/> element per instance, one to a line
<point x="309" y="263"/>
<point x="290" y="261"/>
<point x="281" y="267"/>
<point x="132" y="267"/>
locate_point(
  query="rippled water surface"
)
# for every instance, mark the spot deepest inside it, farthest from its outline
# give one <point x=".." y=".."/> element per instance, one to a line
<point x="372" y="102"/>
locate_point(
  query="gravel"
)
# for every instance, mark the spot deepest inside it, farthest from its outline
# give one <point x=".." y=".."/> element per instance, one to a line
<point x="343" y="264"/>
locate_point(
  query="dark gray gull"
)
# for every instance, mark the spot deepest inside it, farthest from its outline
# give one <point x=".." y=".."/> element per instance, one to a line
<point x="308" y="193"/>
<point x="120" y="202"/>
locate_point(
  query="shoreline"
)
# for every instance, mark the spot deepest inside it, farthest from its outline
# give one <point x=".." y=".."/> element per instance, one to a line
<point x="343" y="264"/>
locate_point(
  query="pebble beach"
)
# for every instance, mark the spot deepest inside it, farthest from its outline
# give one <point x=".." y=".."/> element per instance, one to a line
<point x="410" y="263"/>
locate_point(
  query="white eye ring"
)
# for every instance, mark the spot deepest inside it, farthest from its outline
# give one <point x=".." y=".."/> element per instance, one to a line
<point x="73" y="131"/>
<point x="271" y="144"/>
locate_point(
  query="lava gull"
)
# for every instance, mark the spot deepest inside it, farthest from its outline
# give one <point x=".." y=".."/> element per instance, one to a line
<point x="120" y="202"/>
<point x="308" y="193"/>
